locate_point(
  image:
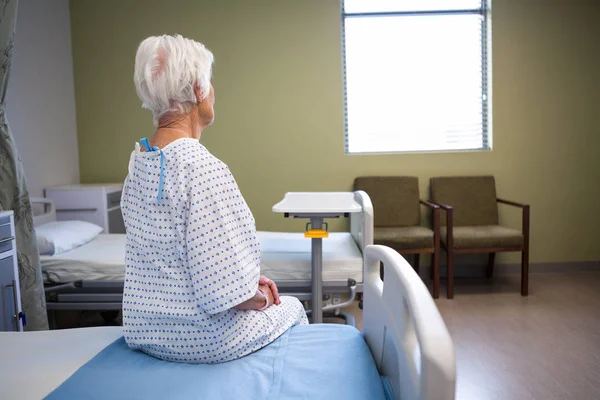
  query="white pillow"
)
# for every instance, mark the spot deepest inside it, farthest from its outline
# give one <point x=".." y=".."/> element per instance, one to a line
<point x="59" y="236"/>
<point x="45" y="247"/>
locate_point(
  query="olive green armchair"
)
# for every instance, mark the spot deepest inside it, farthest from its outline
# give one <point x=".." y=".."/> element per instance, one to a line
<point x="397" y="219"/>
<point x="471" y="224"/>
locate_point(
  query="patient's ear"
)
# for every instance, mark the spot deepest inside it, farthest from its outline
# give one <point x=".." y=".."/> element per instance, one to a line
<point x="197" y="93"/>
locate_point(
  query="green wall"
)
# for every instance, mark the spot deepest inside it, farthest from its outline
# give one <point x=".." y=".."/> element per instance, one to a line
<point x="279" y="110"/>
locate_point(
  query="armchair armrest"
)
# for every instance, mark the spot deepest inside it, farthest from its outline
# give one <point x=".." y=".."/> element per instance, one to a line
<point x="525" y="219"/>
<point x="512" y="203"/>
<point x="444" y="207"/>
<point x="436" y="222"/>
<point x="449" y="223"/>
<point x="429" y="204"/>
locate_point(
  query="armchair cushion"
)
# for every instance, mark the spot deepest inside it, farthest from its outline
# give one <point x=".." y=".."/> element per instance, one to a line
<point x="473" y="199"/>
<point x="406" y="237"/>
<point x="483" y="236"/>
<point x="395" y="199"/>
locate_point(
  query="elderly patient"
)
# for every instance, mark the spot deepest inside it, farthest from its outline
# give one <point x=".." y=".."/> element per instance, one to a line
<point x="193" y="291"/>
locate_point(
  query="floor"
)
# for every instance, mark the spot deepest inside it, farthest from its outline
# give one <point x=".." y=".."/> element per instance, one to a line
<point x="545" y="346"/>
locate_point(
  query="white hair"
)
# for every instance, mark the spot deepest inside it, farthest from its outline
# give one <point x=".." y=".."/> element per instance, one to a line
<point x="166" y="70"/>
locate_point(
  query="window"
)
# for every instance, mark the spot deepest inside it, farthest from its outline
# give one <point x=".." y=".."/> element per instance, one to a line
<point x="416" y="75"/>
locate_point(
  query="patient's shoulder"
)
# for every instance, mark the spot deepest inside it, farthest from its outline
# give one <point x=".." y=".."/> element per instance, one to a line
<point x="190" y="154"/>
<point x="196" y="165"/>
<point x="201" y="160"/>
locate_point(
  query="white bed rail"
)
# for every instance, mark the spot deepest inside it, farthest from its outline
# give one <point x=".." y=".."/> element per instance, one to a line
<point x="405" y="331"/>
<point x="361" y="224"/>
<point x="49" y="213"/>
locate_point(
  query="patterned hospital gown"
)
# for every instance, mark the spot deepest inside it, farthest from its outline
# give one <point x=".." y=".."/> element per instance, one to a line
<point x="192" y="257"/>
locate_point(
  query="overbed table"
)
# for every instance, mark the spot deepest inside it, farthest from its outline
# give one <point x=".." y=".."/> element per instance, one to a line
<point x="316" y="206"/>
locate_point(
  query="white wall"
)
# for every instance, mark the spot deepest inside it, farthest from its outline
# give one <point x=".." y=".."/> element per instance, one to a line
<point x="41" y="98"/>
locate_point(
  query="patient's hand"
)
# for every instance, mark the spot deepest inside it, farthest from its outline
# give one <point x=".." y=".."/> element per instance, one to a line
<point x="257" y="302"/>
<point x="266" y="290"/>
<point x="266" y="281"/>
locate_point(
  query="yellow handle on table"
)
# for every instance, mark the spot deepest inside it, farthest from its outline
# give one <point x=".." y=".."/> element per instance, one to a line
<point x="316" y="234"/>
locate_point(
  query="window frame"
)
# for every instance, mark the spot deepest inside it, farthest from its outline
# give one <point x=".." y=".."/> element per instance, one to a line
<point x="486" y="90"/>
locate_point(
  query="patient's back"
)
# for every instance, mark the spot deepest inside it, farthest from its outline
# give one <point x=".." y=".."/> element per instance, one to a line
<point x="192" y="254"/>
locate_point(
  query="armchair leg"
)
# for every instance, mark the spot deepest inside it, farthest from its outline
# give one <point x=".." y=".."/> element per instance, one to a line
<point x="525" y="254"/>
<point x="490" y="267"/>
<point x="450" y="273"/>
<point x="525" y="272"/>
<point x="432" y="271"/>
<point x="435" y="273"/>
<point x="417" y="259"/>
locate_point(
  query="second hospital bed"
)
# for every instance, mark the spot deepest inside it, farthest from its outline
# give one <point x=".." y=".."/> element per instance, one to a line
<point x="404" y="352"/>
<point x="90" y="277"/>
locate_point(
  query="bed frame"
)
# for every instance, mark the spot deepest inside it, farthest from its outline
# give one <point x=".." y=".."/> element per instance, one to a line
<point x="107" y="296"/>
<point x="405" y="331"/>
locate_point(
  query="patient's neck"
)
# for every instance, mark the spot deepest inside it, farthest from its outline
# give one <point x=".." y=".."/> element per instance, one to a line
<point x="172" y="128"/>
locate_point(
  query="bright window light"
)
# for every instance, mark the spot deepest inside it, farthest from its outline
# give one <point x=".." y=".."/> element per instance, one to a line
<point x="416" y="75"/>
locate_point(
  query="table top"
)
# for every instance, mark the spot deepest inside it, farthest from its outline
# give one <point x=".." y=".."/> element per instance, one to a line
<point x="318" y="203"/>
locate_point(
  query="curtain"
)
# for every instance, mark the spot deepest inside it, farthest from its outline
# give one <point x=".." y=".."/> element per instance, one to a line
<point x="13" y="190"/>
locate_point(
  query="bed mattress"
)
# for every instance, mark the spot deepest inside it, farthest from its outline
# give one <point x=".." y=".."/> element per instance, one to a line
<point x="308" y="361"/>
<point x="287" y="255"/>
<point x="284" y="256"/>
<point x="102" y="259"/>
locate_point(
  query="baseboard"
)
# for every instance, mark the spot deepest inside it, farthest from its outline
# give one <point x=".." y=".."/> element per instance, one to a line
<point x="479" y="270"/>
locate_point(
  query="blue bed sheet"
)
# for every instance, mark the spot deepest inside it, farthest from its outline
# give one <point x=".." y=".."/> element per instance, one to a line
<point x="323" y="361"/>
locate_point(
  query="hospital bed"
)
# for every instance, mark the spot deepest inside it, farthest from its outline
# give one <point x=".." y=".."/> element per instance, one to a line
<point x="90" y="277"/>
<point x="404" y="352"/>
